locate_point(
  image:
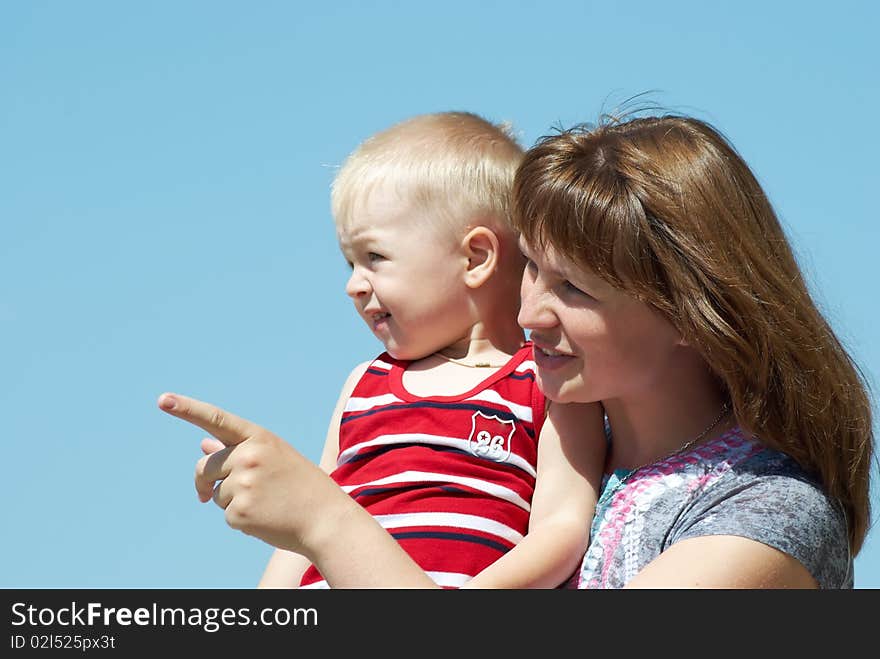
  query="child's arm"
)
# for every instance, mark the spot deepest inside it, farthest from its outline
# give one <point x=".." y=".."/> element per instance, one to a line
<point x="286" y="568"/>
<point x="571" y="456"/>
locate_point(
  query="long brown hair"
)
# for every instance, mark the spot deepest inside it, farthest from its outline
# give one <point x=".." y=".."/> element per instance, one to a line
<point x="666" y="209"/>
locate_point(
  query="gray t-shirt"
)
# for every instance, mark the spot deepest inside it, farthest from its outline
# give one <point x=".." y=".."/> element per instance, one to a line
<point x="731" y="485"/>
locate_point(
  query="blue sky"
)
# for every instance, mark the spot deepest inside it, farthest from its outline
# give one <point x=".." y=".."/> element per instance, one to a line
<point x="165" y="221"/>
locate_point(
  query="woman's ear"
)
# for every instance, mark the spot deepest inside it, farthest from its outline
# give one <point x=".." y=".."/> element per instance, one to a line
<point x="481" y="247"/>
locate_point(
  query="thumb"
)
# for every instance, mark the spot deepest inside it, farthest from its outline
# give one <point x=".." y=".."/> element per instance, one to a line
<point x="210" y="445"/>
<point x="226" y="427"/>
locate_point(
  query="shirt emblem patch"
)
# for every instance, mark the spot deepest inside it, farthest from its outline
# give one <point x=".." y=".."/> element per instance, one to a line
<point x="490" y="437"/>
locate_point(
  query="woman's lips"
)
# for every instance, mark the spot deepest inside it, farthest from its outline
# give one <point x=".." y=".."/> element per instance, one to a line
<point x="549" y="359"/>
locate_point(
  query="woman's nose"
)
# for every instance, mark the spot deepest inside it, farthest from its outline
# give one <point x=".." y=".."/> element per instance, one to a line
<point x="533" y="311"/>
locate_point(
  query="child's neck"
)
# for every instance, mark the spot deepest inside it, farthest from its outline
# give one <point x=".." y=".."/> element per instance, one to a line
<point x="459" y="367"/>
<point x="482" y="352"/>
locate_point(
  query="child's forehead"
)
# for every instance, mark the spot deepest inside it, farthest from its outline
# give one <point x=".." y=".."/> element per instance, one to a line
<point x="383" y="199"/>
<point x="388" y="207"/>
<point x="389" y="226"/>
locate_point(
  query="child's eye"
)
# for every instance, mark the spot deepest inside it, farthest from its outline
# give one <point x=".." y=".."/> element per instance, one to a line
<point x="373" y="257"/>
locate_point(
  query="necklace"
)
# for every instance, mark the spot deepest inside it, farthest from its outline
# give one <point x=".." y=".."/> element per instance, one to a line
<point x="606" y="495"/>
<point x="475" y="365"/>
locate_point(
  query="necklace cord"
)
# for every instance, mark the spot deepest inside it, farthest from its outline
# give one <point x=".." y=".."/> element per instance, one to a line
<point x="475" y="365"/>
<point x="725" y="408"/>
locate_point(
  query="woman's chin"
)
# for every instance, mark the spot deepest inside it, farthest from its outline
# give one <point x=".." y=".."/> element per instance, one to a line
<point x="561" y="391"/>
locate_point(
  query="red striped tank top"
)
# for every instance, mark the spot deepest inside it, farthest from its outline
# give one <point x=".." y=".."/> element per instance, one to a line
<point x="450" y="477"/>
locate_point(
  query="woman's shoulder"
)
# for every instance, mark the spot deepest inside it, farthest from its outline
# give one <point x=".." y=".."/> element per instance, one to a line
<point x="764" y="494"/>
<point x="739" y="455"/>
<point x="744" y="458"/>
<point x="763" y="480"/>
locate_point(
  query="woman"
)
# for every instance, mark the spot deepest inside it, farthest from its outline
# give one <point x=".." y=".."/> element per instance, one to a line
<point x="660" y="283"/>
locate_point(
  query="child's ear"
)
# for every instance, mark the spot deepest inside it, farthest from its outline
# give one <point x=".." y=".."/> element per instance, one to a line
<point x="481" y="247"/>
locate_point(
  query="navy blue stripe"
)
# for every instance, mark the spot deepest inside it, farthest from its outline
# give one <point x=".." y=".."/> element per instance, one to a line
<point x="525" y="375"/>
<point x="447" y="535"/>
<point x="375" y="371"/>
<point x="368" y="455"/>
<point x="406" y="488"/>
<point x="527" y="426"/>
<point x="490" y="411"/>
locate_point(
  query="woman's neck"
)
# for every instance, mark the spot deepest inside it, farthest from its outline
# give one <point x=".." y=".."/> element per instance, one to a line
<point x="648" y="427"/>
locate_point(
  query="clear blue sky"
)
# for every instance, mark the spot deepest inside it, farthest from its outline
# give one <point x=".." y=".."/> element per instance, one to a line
<point x="165" y="219"/>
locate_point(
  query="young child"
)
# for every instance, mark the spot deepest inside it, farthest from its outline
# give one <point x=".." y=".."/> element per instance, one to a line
<point x="445" y="438"/>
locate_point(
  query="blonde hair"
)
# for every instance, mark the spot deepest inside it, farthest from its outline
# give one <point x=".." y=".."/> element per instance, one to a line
<point x="456" y="166"/>
<point x="665" y="209"/>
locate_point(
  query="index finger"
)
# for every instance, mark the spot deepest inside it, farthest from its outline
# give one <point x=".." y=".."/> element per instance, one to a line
<point x="226" y="427"/>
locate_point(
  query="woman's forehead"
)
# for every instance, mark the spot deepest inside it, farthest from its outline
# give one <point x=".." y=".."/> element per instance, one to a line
<point x="555" y="262"/>
<point x="548" y="256"/>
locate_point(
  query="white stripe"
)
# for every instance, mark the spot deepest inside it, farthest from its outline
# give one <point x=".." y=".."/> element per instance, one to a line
<point x="404" y="438"/>
<point x="497" y="491"/>
<point x="527" y="365"/>
<point x="360" y="404"/>
<point x="453" y="579"/>
<point x="378" y="363"/>
<point x="521" y="411"/>
<point x="428" y="440"/>
<point x="458" y="520"/>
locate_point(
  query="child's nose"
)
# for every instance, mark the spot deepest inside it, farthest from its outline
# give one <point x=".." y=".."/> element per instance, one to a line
<point x="357" y="283"/>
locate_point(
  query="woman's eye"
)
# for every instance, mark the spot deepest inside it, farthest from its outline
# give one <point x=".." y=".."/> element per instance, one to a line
<point x="568" y="287"/>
